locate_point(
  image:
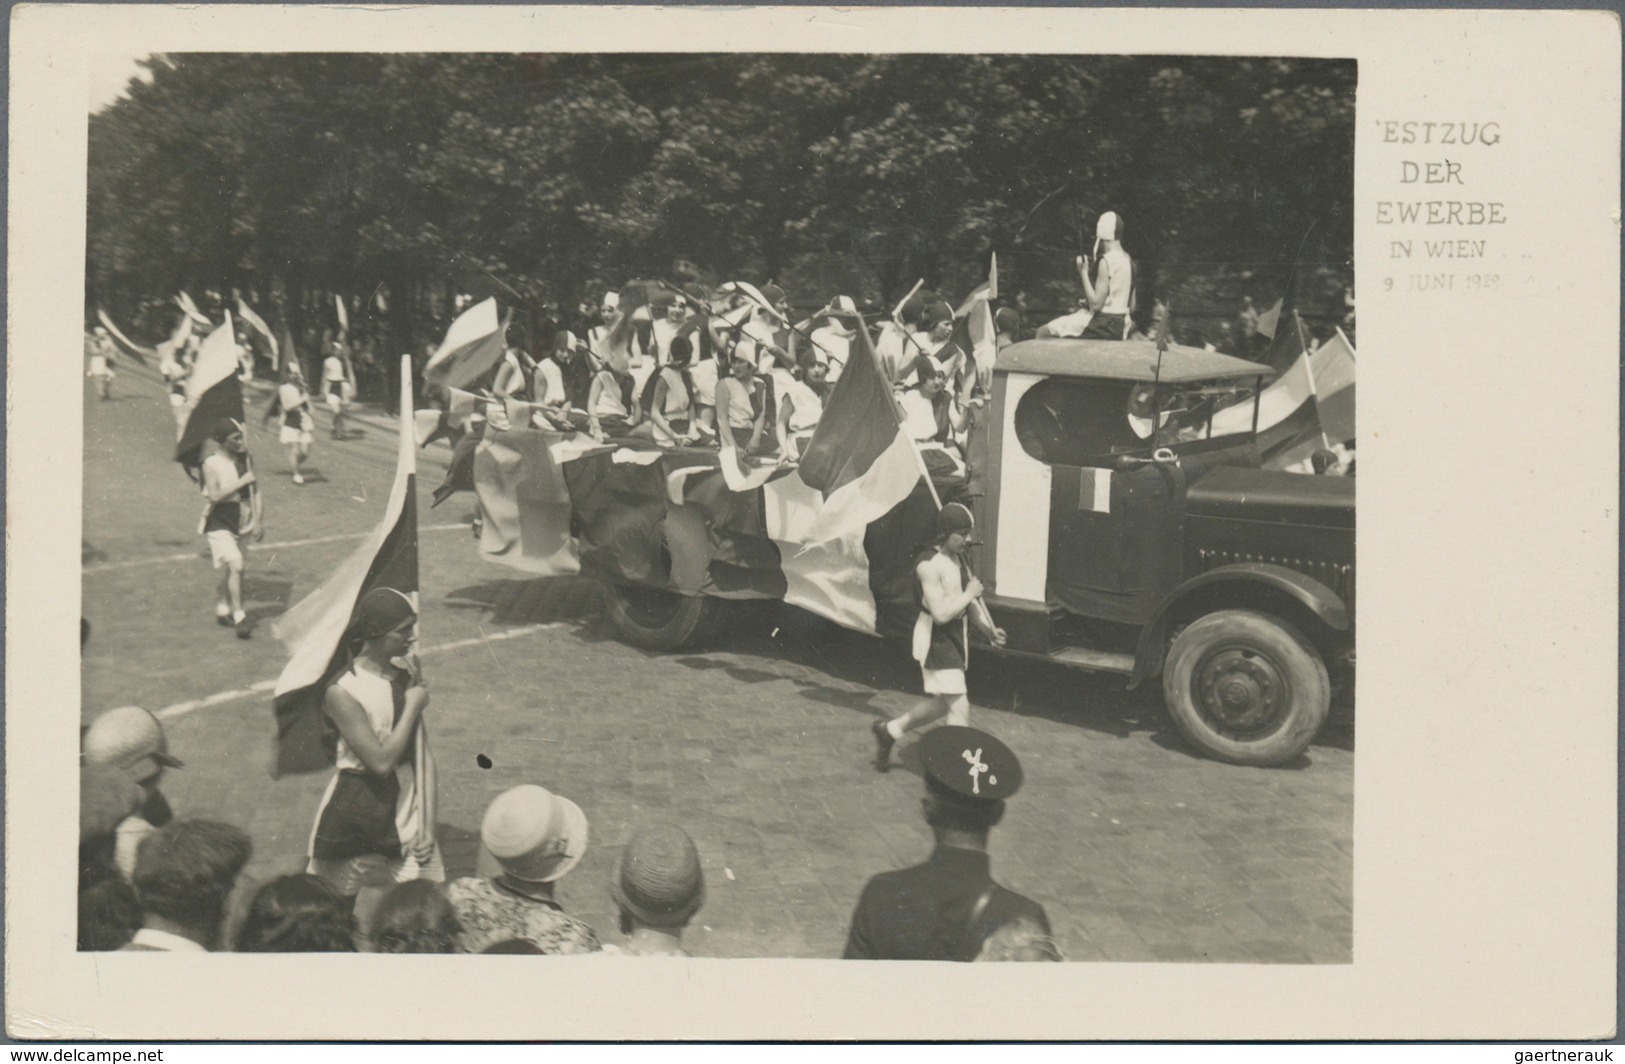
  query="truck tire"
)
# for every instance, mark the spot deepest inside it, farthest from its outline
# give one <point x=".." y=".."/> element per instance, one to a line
<point x="654" y="619"/>
<point x="1246" y="687"/>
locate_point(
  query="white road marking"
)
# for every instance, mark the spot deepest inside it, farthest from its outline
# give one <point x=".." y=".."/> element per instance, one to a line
<point x="180" y="709"/>
<point x="171" y="559"/>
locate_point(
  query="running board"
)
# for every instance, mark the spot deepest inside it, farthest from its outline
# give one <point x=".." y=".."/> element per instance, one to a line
<point x="1098" y="660"/>
<point x="1078" y="658"/>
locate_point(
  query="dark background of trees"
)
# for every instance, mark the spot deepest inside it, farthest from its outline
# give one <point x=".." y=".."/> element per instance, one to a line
<point x="292" y="177"/>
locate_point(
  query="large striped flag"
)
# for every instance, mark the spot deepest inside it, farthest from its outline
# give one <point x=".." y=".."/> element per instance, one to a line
<point x="213" y="391"/>
<point x="473" y="345"/>
<point x="1308" y="407"/>
<point x="315" y="629"/>
<point x="858" y="458"/>
<point x="525" y="501"/>
<point x="1333" y="363"/>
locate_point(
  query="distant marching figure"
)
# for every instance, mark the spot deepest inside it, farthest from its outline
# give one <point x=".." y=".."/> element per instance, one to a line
<point x="297" y="420"/>
<point x="229" y="486"/>
<point x="99" y="347"/>
<point x="336" y="386"/>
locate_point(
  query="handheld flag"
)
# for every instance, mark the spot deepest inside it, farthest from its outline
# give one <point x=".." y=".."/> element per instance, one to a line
<point x="127" y="345"/>
<point x="1270" y="320"/>
<point x="184" y="301"/>
<point x="985" y="292"/>
<point x="1287" y="341"/>
<point x="316" y="630"/>
<point x="213" y="391"/>
<point x="859" y="458"/>
<point x="473" y="345"/>
<point x="259" y="326"/>
<point x="897" y="311"/>
<point x="344" y="313"/>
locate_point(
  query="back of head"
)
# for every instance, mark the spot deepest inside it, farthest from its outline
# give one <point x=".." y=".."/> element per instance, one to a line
<point x="1021" y="939"/>
<point x="109" y="914"/>
<point x="185" y="871"/>
<point x="415" y="917"/>
<point x="658" y="879"/>
<point x="297" y="914"/>
<point x="520" y="946"/>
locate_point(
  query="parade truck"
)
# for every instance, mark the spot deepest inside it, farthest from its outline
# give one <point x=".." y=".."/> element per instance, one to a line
<point x="1124" y="525"/>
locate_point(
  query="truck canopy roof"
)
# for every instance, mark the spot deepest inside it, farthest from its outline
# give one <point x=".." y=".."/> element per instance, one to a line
<point x="1123" y="360"/>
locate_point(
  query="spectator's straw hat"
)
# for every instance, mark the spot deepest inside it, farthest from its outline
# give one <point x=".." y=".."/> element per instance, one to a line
<point x="535" y="835"/>
<point x="658" y="877"/>
<point x="129" y="738"/>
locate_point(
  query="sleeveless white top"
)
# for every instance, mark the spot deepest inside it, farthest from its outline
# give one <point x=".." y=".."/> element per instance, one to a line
<point x="1119" y="280"/>
<point x="377" y="701"/>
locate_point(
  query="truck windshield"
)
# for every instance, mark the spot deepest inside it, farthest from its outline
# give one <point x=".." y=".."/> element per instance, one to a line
<point x="1080" y="421"/>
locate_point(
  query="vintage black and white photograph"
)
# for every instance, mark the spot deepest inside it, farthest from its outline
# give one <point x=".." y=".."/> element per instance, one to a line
<point x="749" y="491"/>
<point x="755" y="505"/>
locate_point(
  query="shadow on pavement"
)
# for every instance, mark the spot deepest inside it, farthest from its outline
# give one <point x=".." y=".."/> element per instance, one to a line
<point x="265" y="597"/>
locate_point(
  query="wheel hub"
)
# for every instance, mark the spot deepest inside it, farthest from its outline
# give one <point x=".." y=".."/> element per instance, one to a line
<point x="1240" y="692"/>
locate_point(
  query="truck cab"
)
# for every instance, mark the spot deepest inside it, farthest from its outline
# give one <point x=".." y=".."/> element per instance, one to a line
<point x="1127" y="527"/>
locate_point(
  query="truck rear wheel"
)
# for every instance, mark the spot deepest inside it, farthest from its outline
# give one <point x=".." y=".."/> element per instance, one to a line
<point x="1246" y="687"/>
<point x="654" y="619"/>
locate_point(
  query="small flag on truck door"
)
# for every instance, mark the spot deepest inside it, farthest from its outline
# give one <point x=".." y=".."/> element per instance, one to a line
<point x="1095" y="490"/>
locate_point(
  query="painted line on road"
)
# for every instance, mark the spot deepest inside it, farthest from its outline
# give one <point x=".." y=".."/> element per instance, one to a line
<point x="181" y="709"/>
<point x="134" y="563"/>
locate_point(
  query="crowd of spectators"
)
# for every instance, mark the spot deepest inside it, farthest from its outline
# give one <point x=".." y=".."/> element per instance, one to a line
<point x="184" y="887"/>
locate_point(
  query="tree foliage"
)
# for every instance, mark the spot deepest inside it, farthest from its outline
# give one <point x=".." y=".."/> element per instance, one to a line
<point x="288" y="175"/>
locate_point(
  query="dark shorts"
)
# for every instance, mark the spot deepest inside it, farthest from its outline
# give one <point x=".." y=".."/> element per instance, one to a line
<point x="1106" y="327"/>
<point x="359" y="819"/>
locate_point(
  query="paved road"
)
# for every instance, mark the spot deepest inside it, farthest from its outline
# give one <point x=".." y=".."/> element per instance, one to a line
<point x="756" y="742"/>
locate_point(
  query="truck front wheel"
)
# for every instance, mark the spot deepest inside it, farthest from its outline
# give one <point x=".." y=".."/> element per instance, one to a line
<point x="1246" y="687"/>
<point x="654" y="619"/>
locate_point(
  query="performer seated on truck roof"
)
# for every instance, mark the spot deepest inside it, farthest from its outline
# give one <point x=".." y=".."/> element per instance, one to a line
<point x="932" y="418"/>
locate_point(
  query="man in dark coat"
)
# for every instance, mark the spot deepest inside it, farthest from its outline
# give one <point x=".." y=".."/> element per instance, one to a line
<point x="944" y="909"/>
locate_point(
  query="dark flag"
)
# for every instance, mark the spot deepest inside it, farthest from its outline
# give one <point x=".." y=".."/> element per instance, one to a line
<point x="1288" y="344"/>
<point x="213" y="391"/>
<point x="858" y="459"/>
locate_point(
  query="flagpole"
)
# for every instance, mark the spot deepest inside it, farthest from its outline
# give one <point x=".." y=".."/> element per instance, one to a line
<point x="1309" y="368"/>
<point x="422" y="765"/>
<point x="919" y="460"/>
